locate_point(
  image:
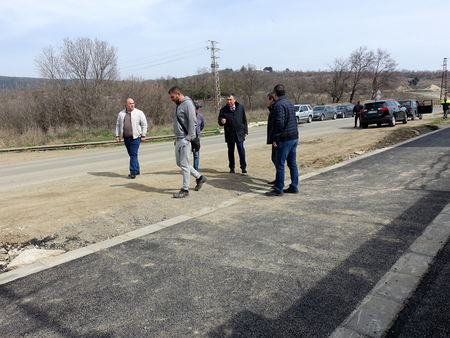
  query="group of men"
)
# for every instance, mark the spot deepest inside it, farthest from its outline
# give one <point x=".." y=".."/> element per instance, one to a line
<point x="282" y="132"/>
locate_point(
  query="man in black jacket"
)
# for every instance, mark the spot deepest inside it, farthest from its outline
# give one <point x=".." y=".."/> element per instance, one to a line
<point x="357" y="113"/>
<point x="285" y="140"/>
<point x="232" y="117"/>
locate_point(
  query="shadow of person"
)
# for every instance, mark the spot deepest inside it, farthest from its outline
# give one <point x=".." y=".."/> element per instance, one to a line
<point x="105" y="174"/>
<point x="237" y="182"/>
<point x="145" y="188"/>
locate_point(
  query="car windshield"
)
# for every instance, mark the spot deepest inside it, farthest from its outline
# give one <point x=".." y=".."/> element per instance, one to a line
<point x="405" y="103"/>
<point x="319" y="108"/>
<point x="374" y="105"/>
<point x="340" y="107"/>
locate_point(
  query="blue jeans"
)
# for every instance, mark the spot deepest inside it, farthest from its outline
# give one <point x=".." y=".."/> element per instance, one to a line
<point x="241" y="152"/>
<point x="132" y="148"/>
<point x="196" y="155"/>
<point x="286" y="151"/>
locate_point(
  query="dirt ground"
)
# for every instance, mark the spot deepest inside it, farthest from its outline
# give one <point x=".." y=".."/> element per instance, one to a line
<point x="75" y="212"/>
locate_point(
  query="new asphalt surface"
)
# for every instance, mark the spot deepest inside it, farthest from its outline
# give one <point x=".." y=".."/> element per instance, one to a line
<point x="291" y="266"/>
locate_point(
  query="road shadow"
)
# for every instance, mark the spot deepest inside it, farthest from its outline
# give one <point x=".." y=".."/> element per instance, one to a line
<point x="105" y="174"/>
<point x="145" y="188"/>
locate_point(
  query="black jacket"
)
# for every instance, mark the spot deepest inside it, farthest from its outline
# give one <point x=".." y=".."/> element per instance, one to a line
<point x="236" y="125"/>
<point x="285" y="126"/>
<point x="357" y="109"/>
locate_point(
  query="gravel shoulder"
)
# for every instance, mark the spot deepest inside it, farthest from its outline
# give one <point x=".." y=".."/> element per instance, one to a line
<point x="74" y="212"/>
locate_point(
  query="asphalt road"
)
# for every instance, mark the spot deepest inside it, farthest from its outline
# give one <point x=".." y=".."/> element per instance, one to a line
<point x="291" y="266"/>
<point x="20" y="175"/>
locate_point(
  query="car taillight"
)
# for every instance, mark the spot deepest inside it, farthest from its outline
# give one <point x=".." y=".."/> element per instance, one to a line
<point x="410" y="110"/>
<point x="384" y="108"/>
<point x="363" y="111"/>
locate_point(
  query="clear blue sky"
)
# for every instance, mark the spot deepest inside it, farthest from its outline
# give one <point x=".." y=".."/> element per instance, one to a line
<point x="169" y="38"/>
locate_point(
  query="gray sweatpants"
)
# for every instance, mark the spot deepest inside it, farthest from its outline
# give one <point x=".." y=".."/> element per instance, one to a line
<point x="182" y="153"/>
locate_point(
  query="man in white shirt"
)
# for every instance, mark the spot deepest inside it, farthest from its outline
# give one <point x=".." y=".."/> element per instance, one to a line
<point x="132" y="126"/>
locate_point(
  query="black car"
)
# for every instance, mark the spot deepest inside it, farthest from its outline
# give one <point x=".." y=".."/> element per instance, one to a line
<point x="411" y="108"/>
<point x="344" y="110"/>
<point x="381" y="112"/>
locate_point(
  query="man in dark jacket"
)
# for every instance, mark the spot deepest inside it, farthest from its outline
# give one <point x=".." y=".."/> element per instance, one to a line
<point x="270" y="102"/>
<point x="232" y="117"/>
<point x="285" y="140"/>
<point x="357" y="113"/>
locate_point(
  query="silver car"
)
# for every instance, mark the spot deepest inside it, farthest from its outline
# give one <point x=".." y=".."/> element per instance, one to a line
<point x="303" y="112"/>
<point x="324" y="112"/>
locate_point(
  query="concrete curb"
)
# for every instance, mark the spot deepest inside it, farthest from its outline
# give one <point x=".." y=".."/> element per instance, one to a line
<point x="378" y="310"/>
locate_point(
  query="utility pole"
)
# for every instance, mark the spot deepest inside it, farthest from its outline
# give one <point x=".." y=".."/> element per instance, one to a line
<point x="444" y="81"/>
<point x="215" y="71"/>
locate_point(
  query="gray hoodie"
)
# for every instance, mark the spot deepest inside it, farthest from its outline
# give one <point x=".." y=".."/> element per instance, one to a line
<point x="185" y="111"/>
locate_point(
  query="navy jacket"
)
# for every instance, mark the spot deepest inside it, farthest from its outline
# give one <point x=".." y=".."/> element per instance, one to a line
<point x="236" y="126"/>
<point x="284" y="121"/>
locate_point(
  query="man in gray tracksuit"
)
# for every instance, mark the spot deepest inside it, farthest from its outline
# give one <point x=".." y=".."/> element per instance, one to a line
<point x="184" y="126"/>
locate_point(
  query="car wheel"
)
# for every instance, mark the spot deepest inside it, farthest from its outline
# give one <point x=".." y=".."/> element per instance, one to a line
<point x="392" y="122"/>
<point x="378" y="124"/>
<point x="322" y="117"/>
<point x="364" y="125"/>
<point x="405" y="121"/>
<point x="298" y="120"/>
<point x="334" y="116"/>
<point x="309" y="119"/>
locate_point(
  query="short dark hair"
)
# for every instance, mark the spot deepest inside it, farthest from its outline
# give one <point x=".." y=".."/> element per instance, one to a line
<point x="174" y="90"/>
<point x="279" y="90"/>
<point x="231" y="94"/>
<point x="270" y="96"/>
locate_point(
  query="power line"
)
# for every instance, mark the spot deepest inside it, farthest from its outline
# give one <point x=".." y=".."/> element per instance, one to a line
<point x="215" y="71"/>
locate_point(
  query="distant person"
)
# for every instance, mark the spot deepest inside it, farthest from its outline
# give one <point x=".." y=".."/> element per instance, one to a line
<point x="199" y="128"/>
<point x="285" y="140"/>
<point x="270" y="102"/>
<point x="445" y="104"/>
<point x="132" y="126"/>
<point x="357" y="113"/>
<point x="232" y="117"/>
<point x="184" y="125"/>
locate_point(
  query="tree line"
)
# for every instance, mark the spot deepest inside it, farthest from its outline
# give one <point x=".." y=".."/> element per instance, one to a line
<point x="82" y="88"/>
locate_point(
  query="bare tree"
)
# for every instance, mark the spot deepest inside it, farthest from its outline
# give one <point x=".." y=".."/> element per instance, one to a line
<point x="382" y="69"/>
<point x="249" y="83"/>
<point x="339" y="82"/>
<point x="360" y="61"/>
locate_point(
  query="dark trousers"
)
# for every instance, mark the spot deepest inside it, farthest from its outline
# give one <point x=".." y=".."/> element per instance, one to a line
<point x="241" y="152"/>
<point x="356" y="120"/>
<point x="132" y="146"/>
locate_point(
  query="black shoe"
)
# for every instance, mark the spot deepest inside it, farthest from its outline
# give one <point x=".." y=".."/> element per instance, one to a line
<point x="273" y="193"/>
<point x="132" y="175"/>
<point x="244" y="171"/>
<point x="202" y="179"/>
<point x="181" y="194"/>
<point x="231" y="171"/>
<point x="290" y="190"/>
<point x="271" y="182"/>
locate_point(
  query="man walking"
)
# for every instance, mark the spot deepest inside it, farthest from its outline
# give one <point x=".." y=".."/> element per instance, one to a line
<point x="200" y="126"/>
<point x="184" y="124"/>
<point x="285" y="140"/>
<point x="445" y="104"/>
<point x="232" y="117"/>
<point x="132" y="126"/>
<point x="357" y="113"/>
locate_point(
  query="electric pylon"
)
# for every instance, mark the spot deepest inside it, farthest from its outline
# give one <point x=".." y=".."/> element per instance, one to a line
<point x="444" y="81"/>
<point x="215" y="71"/>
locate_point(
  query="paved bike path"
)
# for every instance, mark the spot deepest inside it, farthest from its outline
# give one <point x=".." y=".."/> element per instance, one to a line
<point x="297" y="265"/>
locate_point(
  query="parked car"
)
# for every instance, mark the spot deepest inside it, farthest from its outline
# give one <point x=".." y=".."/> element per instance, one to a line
<point x="383" y="111"/>
<point x="324" y="112"/>
<point x="344" y="110"/>
<point x="411" y="108"/>
<point x="303" y="112"/>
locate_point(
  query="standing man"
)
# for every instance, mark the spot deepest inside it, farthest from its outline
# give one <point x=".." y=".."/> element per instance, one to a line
<point x="270" y="102"/>
<point x="285" y="140"/>
<point x="357" y="113"/>
<point x="184" y="125"/>
<point x="445" y="104"/>
<point x="132" y="126"/>
<point x="200" y="126"/>
<point x="232" y="117"/>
